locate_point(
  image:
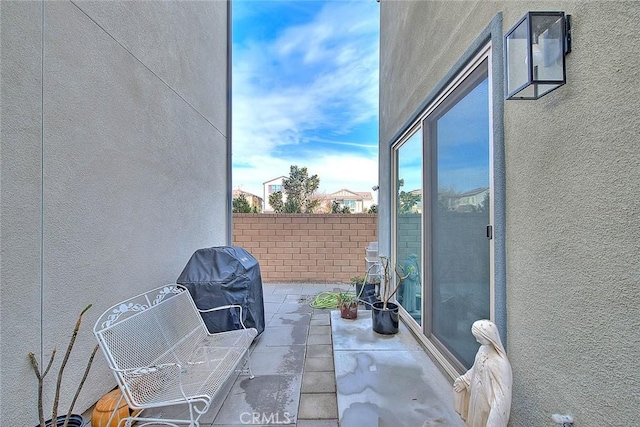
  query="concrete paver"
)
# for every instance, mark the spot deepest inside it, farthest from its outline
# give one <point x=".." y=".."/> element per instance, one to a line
<point x="318" y="382"/>
<point x="318" y="364"/>
<point x="317" y="423"/>
<point x="376" y="375"/>
<point x="314" y="369"/>
<point x="318" y="406"/>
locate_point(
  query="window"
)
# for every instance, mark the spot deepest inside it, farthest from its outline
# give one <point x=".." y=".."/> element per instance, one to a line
<point x="275" y="187"/>
<point x="409" y="222"/>
<point x="351" y="204"/>
<point x="441" y="211"/>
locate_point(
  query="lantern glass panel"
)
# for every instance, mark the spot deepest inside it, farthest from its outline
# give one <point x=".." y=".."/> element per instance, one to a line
<point x="547" y="46"/>
<point x="517" y="57"/>
<point x="534" y="55"/>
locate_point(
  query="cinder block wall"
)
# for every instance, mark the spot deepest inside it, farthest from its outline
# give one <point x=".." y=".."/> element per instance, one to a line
<point x="306" y="247"/>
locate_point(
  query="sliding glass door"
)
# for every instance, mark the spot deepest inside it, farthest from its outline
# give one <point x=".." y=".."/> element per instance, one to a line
<point x="443" y="215"/>
<point x="458" y="140"/>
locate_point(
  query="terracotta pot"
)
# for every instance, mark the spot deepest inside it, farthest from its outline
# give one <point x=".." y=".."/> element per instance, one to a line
<point x="349" y="310"/>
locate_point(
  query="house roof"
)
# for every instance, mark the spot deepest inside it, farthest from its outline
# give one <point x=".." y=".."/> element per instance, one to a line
<point x="235" y="193"/>
<point x="473" y="192"/>
<point x="359" y="195"/>
<point x="274" y="179"/>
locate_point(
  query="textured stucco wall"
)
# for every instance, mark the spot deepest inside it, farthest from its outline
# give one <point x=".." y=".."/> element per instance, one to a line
<point x="114" y="169"/>
<point x="572" y="211"/>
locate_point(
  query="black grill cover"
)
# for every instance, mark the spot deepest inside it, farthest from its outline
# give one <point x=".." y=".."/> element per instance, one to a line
<point x="225" y="275"/>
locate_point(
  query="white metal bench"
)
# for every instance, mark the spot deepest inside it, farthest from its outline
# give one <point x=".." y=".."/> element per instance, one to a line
<point x="162" y="354"/>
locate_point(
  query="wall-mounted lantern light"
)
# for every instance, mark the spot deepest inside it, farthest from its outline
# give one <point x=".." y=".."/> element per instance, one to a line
<point x="534" y="51"/>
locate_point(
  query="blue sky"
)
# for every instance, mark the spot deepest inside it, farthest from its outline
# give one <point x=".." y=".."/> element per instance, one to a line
<point x="305" y="92"/>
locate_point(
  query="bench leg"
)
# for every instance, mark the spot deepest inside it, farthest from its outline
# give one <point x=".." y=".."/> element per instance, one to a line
<point x="247" y="366"/>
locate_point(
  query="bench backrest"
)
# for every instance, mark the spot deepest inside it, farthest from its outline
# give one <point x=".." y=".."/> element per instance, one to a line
<point x="159" y="326"/>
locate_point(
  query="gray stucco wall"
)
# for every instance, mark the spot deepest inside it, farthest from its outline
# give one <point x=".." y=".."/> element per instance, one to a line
<point x="572" y="212"/>
<point x="114" y="170"/>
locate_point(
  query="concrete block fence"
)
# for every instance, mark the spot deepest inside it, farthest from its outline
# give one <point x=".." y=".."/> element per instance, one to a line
<point x="321" y="248"/>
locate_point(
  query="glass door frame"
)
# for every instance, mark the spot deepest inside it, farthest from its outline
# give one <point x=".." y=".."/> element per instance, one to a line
<point x="442" y="355"/>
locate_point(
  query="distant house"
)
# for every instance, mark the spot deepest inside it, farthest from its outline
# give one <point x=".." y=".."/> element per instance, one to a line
<point x="469" y="201"/>
<point x="253" y="200"/>
<point x="357" y="201"/>
<point x="270" y="187"/>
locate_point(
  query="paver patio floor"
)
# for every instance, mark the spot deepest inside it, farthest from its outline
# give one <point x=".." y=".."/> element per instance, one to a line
<point x="314" y="369"/>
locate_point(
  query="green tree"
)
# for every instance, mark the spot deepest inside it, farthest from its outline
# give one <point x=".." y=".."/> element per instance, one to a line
<point x="373" y="209"/>
<point x="406" y="202"/>
<point x="299" y="188"/>
<point x="275" y="200"/>
<point x="337" y="209"/>
<point x="241" y="204"/>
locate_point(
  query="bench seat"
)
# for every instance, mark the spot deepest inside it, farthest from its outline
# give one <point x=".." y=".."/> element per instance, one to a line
<point x="161" y="353"/>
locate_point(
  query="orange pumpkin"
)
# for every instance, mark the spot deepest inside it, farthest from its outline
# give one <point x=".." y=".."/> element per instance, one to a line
<point x="106" y="406"/>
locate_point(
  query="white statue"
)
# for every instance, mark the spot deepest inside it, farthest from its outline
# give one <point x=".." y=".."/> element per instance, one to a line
<point x="482" y="396"/>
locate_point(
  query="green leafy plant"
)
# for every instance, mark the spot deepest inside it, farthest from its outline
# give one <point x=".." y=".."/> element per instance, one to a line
<point x="347" y="298"/>
<point x="357" y="280"/>
<point x="387" y="277"/>
<point x="42" y="374"/>
<point x="241" y="204"/>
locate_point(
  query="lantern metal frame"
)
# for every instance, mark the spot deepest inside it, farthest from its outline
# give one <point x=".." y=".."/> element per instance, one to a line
<point x="532" y="78"/>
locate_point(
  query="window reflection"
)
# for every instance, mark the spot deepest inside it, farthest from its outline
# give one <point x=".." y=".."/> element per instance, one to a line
<point x="460" y="214"/>
<point x="409" y="224"/>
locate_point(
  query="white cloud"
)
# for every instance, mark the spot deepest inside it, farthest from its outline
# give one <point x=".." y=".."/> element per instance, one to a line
<point x="312" y="81"/>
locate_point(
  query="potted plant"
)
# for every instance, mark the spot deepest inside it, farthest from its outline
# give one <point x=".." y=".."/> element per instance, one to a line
<point x="366" y="288"/>
<point x="348" y="305"/>
<point x="371" y="289"/>
<point x="70" y="419"/>
<point x="385" y="316"/>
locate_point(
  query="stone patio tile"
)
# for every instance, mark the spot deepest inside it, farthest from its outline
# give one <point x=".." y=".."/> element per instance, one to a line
<point x="318" y="382"/>
<point x="273" y="298"/>
<point x="316" y="406"/>
<point x="282" y="319"/>
<point x="277" y="336"/>
<point x="274" y="397"/>
<point x="320" y="330"/>
<point x="357" y="334"/>
<point x="318" y="339"/>
<point x="271" y="307"/>
<point x="318" y="364"/>
<point x="249" y="424"/>
<point x="317" y="423"/>
<point x="321" y="350"/>
<point x="297" y="298"/>
<point x="267" y="288"/>
<point x="321" y="318"/>
<point x="278" y="360"/>
<point x="294" y="307"/>
<point x="288" y="288"/>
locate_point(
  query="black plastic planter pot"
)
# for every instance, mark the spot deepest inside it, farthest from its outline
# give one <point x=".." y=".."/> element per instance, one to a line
<point x="367" y="295"/>
<point x="74" y="421"/>
<point x="384" y="321"/>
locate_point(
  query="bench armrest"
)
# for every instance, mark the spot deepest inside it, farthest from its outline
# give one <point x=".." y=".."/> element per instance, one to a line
<point x="224" y="307"/>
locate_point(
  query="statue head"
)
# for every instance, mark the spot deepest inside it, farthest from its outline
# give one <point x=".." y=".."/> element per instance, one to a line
<point x="486" y="332"/>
